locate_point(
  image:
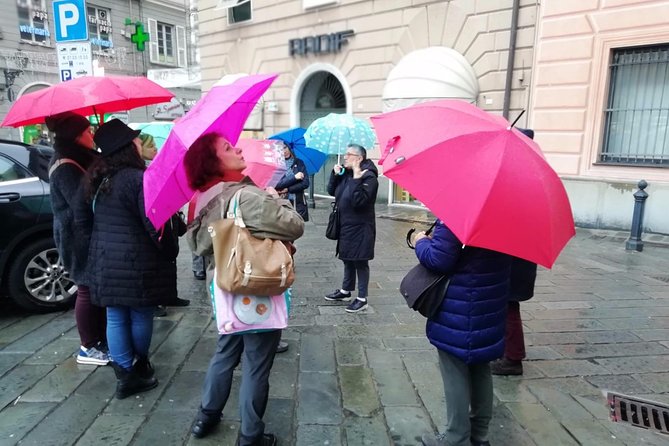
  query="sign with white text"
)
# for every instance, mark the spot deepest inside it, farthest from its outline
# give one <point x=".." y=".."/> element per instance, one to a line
<point x="74" y="60"/>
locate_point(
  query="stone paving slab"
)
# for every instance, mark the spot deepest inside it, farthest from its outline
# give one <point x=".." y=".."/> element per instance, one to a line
<point x="599" y="320"/>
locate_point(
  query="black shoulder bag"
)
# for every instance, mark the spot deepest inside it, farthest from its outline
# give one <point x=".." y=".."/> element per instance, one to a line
<point x="423" y="289"/>
<point x="332" y="231"/>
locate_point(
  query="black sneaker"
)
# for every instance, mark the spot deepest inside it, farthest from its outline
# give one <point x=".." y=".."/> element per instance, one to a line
<point x="338" y="296"/>
<point x="357" y="305"/>
<point x="264" y="440"/>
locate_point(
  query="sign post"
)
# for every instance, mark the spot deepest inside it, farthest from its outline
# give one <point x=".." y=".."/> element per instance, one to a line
<point x="72" y="45"/>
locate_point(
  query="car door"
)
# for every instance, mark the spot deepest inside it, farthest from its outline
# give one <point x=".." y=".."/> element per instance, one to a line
<point x="21" y="200"/>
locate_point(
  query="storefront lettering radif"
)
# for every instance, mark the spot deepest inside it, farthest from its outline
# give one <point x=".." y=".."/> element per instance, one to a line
<point x="323" y="43"/>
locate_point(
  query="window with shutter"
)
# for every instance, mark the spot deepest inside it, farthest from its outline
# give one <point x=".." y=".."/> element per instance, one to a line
<point x="153" y="40"/>
<point x="182" y="60"/>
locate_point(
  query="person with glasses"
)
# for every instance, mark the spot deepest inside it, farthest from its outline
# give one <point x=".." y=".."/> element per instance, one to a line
<point x="354" y="186"/>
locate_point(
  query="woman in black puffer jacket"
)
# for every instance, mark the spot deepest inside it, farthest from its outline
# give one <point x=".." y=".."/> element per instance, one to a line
<point x="131" y="263"/>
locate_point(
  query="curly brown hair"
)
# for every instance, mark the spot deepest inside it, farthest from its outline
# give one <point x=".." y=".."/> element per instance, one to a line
<point x="104" y="167"/>
<point x="200" y="162"/>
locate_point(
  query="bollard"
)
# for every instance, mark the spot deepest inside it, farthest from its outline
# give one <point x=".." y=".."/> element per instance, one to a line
<point x="634" y="243"/>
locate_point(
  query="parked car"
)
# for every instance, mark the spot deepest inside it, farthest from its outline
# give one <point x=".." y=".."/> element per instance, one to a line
<point x="31" y="271"/>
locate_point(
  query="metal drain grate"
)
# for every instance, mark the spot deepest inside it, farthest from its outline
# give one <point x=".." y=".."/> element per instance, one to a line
<point x="638" y="412"/>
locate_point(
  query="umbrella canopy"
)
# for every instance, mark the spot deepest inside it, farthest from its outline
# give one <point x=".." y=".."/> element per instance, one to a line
<point x="265" y="163"/>
<point x="313" y="159"/>
<point x="486" y="181"/>
<point x="223" y="110"/>
<point x="159" y="130"/>
<point x="86" y="96"/>
<point x="332" y="133"/>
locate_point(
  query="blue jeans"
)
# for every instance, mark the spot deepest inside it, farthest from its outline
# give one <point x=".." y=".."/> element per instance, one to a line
<point x="129" y="331"/>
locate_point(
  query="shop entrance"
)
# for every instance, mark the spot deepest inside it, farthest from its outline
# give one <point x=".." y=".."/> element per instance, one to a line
<point x="322" y="94"/>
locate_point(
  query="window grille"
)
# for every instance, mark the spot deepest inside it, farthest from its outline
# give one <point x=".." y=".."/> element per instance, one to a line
<point x="636" y="126"/>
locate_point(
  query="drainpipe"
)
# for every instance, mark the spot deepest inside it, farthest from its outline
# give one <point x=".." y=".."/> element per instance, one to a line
<point x="134" y="58"/>
<point x="512" y="56"/>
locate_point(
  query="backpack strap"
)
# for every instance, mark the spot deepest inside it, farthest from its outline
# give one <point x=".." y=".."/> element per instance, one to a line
<point x="62" y="161"/>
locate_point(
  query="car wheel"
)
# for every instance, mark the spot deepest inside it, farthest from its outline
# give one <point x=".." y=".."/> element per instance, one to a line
<point x="37" y="279"/>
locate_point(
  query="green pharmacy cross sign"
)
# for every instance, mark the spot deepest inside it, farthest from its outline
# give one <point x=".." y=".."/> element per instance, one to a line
<point x="139" y="37"/>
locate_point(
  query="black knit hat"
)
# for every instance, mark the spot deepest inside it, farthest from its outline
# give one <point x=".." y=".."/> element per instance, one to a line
<point x="114" y="135"/>
<point x="67" y="125"/>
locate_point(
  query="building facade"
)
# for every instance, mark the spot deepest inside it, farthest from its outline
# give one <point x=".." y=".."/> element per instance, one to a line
<point x="29" y="59"/>
<point x="340" y="56"/>
<point x="600" y="106"/>
<point x="592" y="76"/>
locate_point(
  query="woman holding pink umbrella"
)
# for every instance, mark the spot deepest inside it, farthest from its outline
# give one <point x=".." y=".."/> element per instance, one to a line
<point x="214" y="168"/>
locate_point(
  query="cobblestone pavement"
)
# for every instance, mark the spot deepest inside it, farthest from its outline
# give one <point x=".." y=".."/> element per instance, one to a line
<point x="600" y="320"/>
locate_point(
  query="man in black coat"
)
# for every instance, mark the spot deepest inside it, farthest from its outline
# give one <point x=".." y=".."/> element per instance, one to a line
<point x="354" y="187"/>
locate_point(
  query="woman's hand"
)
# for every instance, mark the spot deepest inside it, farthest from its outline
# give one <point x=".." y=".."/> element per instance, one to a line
<point x="419" y="236"/>
<point x="299" y="176"/>
<point x="357" y="172"/>
<point x="272" y="192"/>
<point x="337" y="169"/>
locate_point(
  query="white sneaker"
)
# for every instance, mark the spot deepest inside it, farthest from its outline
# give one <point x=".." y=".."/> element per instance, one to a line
<point x="92" y="356"/>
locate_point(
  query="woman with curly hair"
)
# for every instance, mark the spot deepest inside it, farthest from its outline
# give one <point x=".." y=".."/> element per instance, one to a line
<point x="131" y="263"/>
<point x="214" y="168"/>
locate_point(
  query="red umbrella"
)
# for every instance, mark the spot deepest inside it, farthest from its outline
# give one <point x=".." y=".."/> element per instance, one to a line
<point x="486" y="181"/>
<point x="86" y="96"/>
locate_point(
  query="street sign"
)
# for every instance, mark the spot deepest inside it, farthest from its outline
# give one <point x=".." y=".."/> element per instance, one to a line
<point x="74" y="60"/>
<point x="70" y="20"/>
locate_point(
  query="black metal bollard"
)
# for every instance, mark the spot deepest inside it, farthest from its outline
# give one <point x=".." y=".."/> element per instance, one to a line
<point x="634" y="243"/>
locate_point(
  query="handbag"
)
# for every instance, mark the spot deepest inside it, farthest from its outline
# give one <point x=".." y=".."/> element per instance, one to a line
<point x="424" y="290"/>
<point x="239" y="314"/>
<point x="246" y="264"/>
<point x="332" y="231"/>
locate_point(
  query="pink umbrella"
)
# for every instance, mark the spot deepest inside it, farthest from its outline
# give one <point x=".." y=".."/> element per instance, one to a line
<point x="488" y="182"/>
<point x="223" y="110"/>
<point x="86" y="96"/>
<point x="265" y="163"/>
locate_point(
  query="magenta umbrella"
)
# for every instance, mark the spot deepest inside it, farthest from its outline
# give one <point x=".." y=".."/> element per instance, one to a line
<point x="223" y="110"/>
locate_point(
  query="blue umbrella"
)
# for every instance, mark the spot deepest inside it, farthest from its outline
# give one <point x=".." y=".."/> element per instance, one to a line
<point x="313" y="159"/>
<point x="332" y="133"/>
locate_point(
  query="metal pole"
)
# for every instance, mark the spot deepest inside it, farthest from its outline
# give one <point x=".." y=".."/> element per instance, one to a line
<point x="511" y="59"/>
<point x="634" y="243"/>
<point x="311" y="191"/>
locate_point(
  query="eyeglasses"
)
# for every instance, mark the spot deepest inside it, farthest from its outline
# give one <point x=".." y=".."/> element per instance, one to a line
<point x="351" y="154"/>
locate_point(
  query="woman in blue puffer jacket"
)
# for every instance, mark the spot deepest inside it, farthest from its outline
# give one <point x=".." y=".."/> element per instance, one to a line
<point x="468" y="331"/>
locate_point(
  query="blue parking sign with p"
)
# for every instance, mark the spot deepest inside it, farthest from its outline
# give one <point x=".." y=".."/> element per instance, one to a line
<point x="70" y="20"/>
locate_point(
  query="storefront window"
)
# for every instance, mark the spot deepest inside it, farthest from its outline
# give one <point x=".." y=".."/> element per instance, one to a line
<point x="400" y="195"/>
<point x="99" y="28"/>
<point x="33" y="21"/>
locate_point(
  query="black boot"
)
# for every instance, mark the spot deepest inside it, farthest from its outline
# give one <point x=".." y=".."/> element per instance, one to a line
<point x="143" y="367"/>
<point x="128" y="382"/>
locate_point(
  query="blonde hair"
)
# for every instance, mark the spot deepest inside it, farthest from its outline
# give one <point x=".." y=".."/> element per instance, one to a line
<point x="147" y="140"/>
